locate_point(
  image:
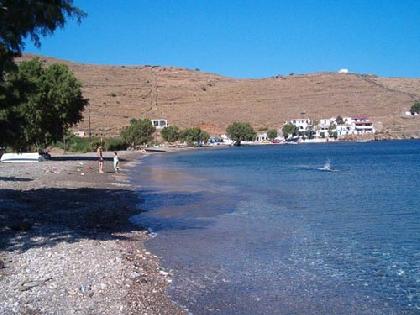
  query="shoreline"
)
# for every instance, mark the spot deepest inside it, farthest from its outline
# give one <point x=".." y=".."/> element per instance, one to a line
<point x="67" y="245"/>
<point x="172" y="149"/>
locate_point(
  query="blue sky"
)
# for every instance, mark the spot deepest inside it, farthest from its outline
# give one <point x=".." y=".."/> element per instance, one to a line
<point x="247" y="39"/>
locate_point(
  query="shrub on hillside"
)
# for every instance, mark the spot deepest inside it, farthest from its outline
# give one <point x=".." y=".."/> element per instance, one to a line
<point x="415" y="108"/>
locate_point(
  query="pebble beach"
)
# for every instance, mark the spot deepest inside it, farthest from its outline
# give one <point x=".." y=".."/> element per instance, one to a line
<point x="66" y="244"/>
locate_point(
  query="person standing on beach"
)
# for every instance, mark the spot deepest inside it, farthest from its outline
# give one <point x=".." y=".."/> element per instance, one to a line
<point x="116" y="162"/>
<point x="100" y="159"/>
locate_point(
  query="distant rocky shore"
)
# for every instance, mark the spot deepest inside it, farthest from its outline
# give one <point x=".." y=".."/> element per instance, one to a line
<point x="66" y="245"/>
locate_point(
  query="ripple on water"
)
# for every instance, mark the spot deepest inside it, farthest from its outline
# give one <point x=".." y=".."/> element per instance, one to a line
<point x="279" y="236"/>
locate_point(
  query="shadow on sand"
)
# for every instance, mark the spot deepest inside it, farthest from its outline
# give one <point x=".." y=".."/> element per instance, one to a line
<point x="45" y="217"/>
<point x="81" y="158"/>
<point x="15" y="179"/>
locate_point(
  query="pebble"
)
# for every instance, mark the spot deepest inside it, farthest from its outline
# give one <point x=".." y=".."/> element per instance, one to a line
<point x="89" y="274"/>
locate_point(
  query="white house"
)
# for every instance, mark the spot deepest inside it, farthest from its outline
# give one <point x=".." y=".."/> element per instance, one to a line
<point x="159" y="123"/>
<point x="79" y="133"/>
<point x="304" y="126"/>
<point x="327" y="127"/>
<point x="261" y="136"/>
<point x="362" y="125"/>
<point x="344" y="130"/>
<point x="301" y="124"/>
<point x="323" y="128"/>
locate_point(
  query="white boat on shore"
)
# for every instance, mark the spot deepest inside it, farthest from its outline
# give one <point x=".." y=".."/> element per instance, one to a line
<point x="21" y="158"/>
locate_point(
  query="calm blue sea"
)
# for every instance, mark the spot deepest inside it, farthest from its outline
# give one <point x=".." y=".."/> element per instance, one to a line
<point x="262" y="230"/>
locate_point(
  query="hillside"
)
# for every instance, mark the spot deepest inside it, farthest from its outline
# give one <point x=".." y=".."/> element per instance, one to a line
<point x="193" y="98"/>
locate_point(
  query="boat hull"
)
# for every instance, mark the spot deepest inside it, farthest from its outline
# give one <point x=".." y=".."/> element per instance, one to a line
<point x="21" y="158"/>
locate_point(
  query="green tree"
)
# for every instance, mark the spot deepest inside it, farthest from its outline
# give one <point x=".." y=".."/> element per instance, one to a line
<point x="339" y="120"/>
<point x="49" y="102"/>
<point x="310" y="133"/>
<point x="415" y="108"/>
<point x="332" y="130"/>
<point x="272" y="134"/>
<point x="194" y="136"/>
<point x="289" y="130"/>
<point x="241" y="131"/>
<point x="56" y="105"/>
<point x="139" y="132"/>
<point x="15" y="91"/>
<point x="170" y="134"/>
<point x="20" y="20"/>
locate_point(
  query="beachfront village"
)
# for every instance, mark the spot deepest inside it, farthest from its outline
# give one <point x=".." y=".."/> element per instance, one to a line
<point x="301" y="130"/>
<point x="323" y="130"/>
<point x="294" y="131"/>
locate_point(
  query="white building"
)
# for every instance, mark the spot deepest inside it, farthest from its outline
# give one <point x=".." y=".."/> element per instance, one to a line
<point x="79" y="133"/>
<point x="323" y="128"/>
<point x="304" y="126"/>
<point x="344" y="130"/>
<point x="159" y="123"/>
<point x="261" y="136"/>
<point x="329" y="127"/>
<point x="362" y="125"/>
<point x="343" y="71"/>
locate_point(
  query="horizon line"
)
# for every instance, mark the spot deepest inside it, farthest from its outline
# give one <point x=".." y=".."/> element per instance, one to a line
<point x="197" y="69"/>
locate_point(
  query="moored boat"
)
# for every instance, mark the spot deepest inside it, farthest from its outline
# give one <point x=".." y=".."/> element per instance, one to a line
<point x="21" y="157"/>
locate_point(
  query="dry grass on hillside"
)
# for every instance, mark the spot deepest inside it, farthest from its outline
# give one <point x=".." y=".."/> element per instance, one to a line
<point x="192" y="98"/>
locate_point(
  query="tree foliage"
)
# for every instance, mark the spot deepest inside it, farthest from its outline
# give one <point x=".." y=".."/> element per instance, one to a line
<point x="415" y="108"/>
<point x="48" y="101"/>
<point x="332" y="131"/>
<point x="272" y="134"/>
<point x="170" y="134"/>
<point x="139" y="132"/>
<point x="289" y="130"/>
<point x="310" y="133"/>
<point x="194" y="136"/>
<point x="339" y="120"/>
<point x="241" y="131"/>
<point x="21" y="19"/>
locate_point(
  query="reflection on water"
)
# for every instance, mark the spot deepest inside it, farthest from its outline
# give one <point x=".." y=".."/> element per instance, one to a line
<point x="259" y="230"/>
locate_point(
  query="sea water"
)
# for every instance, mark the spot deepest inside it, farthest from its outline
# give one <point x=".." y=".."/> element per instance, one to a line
<point x="265" y="230"/>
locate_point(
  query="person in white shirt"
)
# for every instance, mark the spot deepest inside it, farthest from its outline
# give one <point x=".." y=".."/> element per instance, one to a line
<point x="116" y="162"/>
